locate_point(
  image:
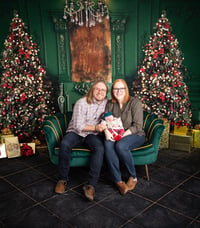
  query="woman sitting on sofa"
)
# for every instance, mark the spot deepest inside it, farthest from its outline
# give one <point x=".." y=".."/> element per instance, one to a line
<point x="129" y="109"/>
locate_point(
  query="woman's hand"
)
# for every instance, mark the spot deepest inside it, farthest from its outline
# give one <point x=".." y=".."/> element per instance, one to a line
<point x="108" y="135"/>
<point x="127" y="132"/>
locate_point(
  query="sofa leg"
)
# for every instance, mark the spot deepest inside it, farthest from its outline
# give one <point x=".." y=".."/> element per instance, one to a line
<point x="147" y="171"/>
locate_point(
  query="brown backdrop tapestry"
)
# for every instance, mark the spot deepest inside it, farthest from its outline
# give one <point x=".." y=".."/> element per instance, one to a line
<point x="90" y="52"/>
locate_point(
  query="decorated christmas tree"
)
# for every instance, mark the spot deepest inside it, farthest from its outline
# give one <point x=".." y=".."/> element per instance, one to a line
<point x="25" y="91"/>
<point x="160" y="81"/>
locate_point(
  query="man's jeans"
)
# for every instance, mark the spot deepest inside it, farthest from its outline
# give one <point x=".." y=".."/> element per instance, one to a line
<point x="93" y="142"/>
<point x="120" y="151"/>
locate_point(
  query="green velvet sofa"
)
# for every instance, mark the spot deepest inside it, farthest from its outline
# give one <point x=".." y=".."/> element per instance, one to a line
<point x="55" y="126"/>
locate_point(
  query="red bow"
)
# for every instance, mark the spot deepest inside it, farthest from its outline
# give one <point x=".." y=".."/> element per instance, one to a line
<point x="26" y="150"/>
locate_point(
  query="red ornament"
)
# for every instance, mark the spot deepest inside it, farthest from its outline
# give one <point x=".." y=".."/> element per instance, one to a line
<point x="41" y="69"/>
<point x="21" y="51"/>
<point x="22" y="97"/>
<point x="162" y="96"/>
<point x="142" y="70"/>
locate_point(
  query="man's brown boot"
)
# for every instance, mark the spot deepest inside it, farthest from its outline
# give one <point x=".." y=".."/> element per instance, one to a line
<point x="89" y="192"/>
<point x="61" y="187"/>
<point x="131" y="183"/>
<point x="123" y="188"/>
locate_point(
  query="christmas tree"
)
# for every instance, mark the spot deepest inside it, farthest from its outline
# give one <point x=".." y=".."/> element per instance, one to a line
<point x="25" y="91"/>
<point x="160" y="81"/>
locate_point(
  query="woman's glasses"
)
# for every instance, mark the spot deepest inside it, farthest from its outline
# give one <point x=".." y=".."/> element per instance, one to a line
<point x="118" y="89"/>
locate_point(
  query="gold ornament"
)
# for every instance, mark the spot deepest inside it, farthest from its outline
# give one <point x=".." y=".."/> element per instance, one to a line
<point x="6" y="131"/>
<point x="36" y="141"/>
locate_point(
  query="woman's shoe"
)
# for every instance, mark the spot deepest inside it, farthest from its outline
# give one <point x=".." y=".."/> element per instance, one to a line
<point x="122" y="186"/>
<point x="131" y="183"/>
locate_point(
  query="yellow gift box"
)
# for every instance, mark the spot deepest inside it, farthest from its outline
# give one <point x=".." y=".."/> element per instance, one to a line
<point x="196" y="138"/>
<point x="180" y="130"/>
<point x="5" y="136"/>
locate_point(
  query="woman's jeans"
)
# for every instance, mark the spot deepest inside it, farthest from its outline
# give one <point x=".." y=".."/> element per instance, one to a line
<point x="93" y="142"/>
<point x="120" y="152"/>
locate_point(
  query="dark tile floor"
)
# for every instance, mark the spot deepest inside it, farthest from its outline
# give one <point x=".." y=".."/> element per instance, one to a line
<point x="170" y="199"/>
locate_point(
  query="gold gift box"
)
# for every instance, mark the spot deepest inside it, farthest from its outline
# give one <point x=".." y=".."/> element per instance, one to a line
<point x="180" y="130"/>
<point x="5" y="136"/>
<point x="196" y="138"/>
<point x="180" y="142"/>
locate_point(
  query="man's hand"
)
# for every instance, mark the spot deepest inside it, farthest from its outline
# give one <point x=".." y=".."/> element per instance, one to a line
<point x="100" y="127"/>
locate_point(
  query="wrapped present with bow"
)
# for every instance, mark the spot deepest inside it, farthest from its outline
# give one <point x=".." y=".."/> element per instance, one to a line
<point x="27" y="149"/>
<point x="180" y="130"/>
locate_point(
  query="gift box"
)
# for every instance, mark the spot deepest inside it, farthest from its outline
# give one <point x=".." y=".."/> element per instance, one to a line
<point x="12" y="147"/>
<point x="3" y="150"/>
<point x="32" y="145"/>
<point x="5" y="136"/>
<point x="196" y="138"/>
<point x="180" y="142"/>
<point x="164" y="141"/>
<point x="180" y="130"/>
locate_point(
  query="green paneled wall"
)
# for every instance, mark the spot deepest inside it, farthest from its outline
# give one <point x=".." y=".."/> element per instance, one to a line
<point x="141" y="16"/>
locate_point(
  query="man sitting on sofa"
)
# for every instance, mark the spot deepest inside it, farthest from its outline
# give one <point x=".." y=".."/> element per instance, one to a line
<point x="84" y="128"/>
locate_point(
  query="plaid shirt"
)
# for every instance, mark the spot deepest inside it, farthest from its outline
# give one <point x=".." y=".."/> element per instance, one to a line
<point x="86" y="114"/>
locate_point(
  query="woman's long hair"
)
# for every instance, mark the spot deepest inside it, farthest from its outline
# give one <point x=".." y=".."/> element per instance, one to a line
<point x="89" y="94"/>
<point x="126" y="96"/>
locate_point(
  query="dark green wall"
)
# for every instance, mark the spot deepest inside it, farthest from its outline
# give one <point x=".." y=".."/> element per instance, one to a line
<point x="141" y="16"/>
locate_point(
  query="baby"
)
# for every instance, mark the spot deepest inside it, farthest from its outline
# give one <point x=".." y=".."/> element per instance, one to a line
<point x="114" y="126"/>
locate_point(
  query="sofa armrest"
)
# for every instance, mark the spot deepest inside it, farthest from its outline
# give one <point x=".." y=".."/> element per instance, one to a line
<point x="154" y="128"/>
<point x="155" y="132"/>
<point x="54" y="128"/>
